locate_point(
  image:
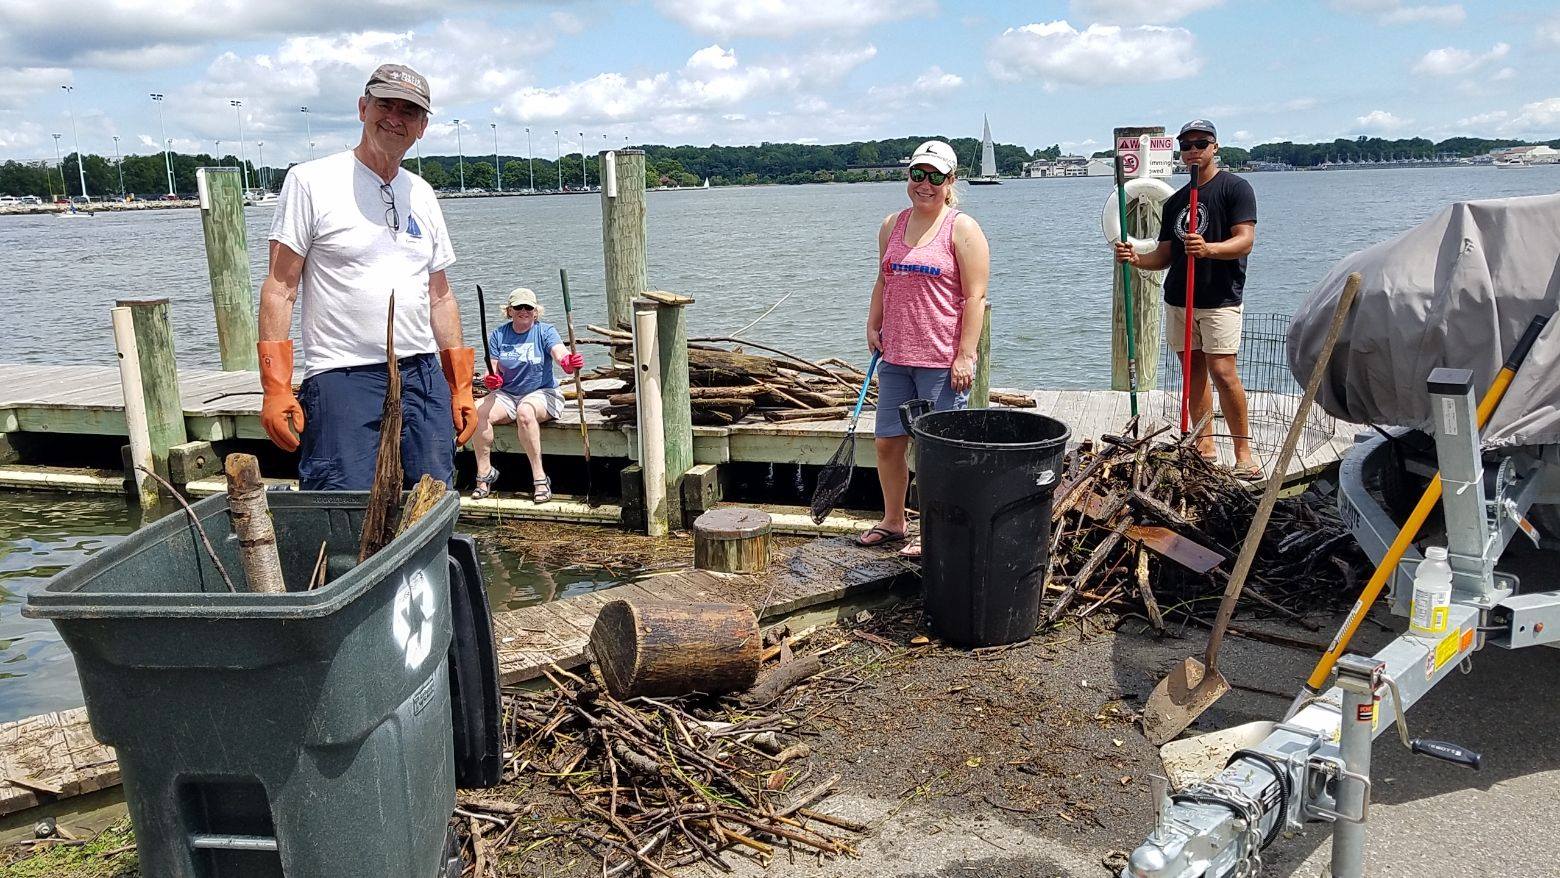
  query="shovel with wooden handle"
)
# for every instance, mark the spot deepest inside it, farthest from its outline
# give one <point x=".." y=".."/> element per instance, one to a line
<point x="1192" y="686"/>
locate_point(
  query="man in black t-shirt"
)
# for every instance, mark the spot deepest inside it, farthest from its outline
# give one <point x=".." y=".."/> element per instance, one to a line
<point x="1223" y="234"/>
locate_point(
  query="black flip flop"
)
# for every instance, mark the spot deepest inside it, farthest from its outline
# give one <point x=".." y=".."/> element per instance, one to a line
<point x="886" y="536"/>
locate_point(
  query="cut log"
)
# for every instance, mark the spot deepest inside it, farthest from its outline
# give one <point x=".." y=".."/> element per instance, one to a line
<point x="665" y="649"/>
<point x="251" y="517"/>
<point x="782" y="678"/>
<point x="731" y="540"/>
<point x="828" y="414"/>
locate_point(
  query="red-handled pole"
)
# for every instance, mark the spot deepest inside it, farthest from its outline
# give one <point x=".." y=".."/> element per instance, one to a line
<point x="1191" y="287"/>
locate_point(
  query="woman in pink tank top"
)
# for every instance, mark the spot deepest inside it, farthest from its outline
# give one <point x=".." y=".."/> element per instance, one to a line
<point x="927" y="308"/>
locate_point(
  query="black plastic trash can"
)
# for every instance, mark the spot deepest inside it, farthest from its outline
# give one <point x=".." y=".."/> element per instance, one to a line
<point x="305" y="734"/>
<point x="985" y="478"/>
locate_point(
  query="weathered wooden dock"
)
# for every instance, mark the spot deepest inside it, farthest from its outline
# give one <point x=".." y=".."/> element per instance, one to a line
<point x="54" y="756"/>
<point x="225" y="406"/>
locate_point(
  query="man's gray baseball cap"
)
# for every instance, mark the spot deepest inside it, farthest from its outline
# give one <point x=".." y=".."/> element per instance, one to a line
<point x="400" y="81"/>
<point x="1199" y="125"/>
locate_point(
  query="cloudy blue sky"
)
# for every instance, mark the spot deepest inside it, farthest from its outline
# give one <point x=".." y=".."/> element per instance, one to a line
<point x="747" y="71"/>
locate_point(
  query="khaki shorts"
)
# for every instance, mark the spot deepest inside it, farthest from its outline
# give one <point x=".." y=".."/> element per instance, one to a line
<point x="550" y="399"/>
<point x="1214" y="330"/>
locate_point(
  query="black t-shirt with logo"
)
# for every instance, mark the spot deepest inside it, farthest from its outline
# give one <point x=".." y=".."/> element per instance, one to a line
<point x="1222" y="203"/>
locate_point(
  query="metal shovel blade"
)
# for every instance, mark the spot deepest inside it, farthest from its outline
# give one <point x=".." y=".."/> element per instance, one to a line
<point x="1179" y="699"/>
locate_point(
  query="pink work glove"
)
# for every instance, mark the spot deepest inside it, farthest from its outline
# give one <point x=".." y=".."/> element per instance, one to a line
<point x="572" y="363"/>
<point x="492" y="382"/>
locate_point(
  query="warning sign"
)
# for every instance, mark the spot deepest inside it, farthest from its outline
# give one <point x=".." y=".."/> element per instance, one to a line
<point x="1160" y="155"/>
<point x="1145" y="156"/>
<point x="1129" y="164"/>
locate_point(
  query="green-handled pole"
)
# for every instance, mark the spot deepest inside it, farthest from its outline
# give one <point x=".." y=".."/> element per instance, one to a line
<point x="1126" y="291"/>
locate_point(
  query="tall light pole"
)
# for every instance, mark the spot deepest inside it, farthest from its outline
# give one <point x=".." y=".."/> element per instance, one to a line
<point x="530" y="160"/>
<point x="243" y="166"/>
<point x="460" y="157"/>
<point x="498" y="168"/>
<point x="60" y="164"/>
<point x="419" y="158"/>
<point x="584" y="179"/>
<point x="308" y="131"/>
<point x="558" y="151"/>
<point x="167" y="159"/>
<point x="219" y="155"/>
<point x="80" y="166"/>
<point x="120" y="165"/>
<point x="260" y="171"/>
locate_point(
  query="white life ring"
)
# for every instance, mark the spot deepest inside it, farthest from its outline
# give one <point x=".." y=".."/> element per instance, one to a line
<point x="1154" y="190"/>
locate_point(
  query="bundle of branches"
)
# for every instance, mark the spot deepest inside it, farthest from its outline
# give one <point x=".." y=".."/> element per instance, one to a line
<point x="728" y="382"/>
<point x="1139" y="527"/>
<point x="654" y="784"/>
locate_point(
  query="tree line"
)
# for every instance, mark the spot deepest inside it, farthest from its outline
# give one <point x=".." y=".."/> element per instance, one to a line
<point x="784" y="163"/>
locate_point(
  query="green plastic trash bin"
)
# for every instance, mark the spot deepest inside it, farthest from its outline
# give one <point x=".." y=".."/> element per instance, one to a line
<point x="305" y="734"/>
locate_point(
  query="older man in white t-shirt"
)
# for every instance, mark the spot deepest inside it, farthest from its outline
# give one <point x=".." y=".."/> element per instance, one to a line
<point x="349" y="230"/>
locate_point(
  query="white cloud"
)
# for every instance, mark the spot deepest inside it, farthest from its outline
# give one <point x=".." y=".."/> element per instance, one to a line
<point x="19" y="85"/>
<point x="1139" y="11"/>
<point x="1504" y="74"/>
<point x="1482" y="121"/>
<point x="1396" y="12"/>
<point x="785" y="18"/>
<point x="936" y="82"/>
<point x="1381" y="122"/>
<point x="1454" y="62"/>
<point x="713" y="82"/>
<point x="1056" y="53"/>
<point x="78" y="31"/>
<point x="1549" y="33"/>
<point x="1537" y="120"/>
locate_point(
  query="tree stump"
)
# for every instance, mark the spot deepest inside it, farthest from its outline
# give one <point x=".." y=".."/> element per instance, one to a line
<point x="731" y="541"/>
<point x="661" y="648"/>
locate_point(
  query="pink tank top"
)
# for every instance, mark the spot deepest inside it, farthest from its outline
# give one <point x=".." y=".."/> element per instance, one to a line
<point x="923" y="298"/>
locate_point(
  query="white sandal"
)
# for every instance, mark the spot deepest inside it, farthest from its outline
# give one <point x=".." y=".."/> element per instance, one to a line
<point x="485" y="484"/>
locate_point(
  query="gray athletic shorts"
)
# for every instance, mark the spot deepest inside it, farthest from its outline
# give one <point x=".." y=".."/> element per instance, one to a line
<point x="898" y="385"/>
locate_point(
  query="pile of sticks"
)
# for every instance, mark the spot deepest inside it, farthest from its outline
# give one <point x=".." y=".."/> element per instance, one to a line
<point x="1140" y="527"/>
<point x="649" y="785"/>
<point x="728" y="383"/>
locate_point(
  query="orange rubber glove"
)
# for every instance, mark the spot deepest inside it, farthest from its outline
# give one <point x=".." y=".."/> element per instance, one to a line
<point x="459" y="368"/>
<point x="280" y="413"/>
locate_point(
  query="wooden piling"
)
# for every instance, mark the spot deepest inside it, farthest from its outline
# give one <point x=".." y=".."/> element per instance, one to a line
<point x="159" y="377"/>
<point x="227" y="262"/>
<point x="980" y="391"/>
<point x="623" y="234"/>
<point x="652" y="436"/>
<point x="671" y="333"/>
<point x="732" y="540"/>
<point x="1148" y="293"/>
<point x="145" y="488"/>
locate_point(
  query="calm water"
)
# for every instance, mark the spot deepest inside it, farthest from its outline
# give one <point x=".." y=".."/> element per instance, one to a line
<point x="738" y="251"/>
<point x="43" y="534"/>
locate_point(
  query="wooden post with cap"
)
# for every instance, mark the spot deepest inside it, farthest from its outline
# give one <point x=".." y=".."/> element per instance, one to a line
<point x="1148" y="293"/>
<point x="671" y="334"/>
<point x="623" y="232"/>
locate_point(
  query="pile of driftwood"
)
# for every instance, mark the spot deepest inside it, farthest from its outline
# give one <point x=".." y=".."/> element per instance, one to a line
<point x="728" y="382"/>
<point x="646" y="785"/>
<point x="1152" y="528"/>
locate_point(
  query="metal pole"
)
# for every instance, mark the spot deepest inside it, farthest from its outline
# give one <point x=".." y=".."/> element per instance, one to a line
<point x="1358" y="678"/>
<point x="59" y="165"/>
<point x="260" y="171"/>
<point x="308" y="131"/>
<point x="497" y="168"/>
<point x="530" y="160"/>
<point x="121" y="166"/>
<point x="460" y="156"/>
<point x="238" y="108"/>
<point x="419" y="158"/>
<point x="219" y="155"/>
<point x="81" y="170"/>
<point x="167" y="159"/>
<point x="558" y="151"/>
<point x="584" y="180"/>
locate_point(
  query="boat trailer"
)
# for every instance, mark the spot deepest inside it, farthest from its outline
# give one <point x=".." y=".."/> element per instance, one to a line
<point x="1315" y="764"/>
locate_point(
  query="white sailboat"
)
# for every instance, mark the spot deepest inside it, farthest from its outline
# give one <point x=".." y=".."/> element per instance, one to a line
<point x="988" y="158"/>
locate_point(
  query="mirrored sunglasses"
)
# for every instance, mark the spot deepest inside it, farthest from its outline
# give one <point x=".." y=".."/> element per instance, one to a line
<point x="921" y="175"/>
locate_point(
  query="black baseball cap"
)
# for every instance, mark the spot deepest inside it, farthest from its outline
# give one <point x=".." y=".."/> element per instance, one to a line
<point x="402" y="82"/>
<point x="1199" y="125"/>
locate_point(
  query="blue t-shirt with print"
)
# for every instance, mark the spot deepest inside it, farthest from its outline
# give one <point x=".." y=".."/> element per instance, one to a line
<point x="523" y="358"/>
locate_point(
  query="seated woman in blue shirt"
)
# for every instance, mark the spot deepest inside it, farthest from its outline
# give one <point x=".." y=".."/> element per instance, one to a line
<point x="522" y="390"/>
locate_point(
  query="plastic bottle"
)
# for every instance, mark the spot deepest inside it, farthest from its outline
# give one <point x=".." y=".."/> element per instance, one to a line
<point x="1432" y="594"/>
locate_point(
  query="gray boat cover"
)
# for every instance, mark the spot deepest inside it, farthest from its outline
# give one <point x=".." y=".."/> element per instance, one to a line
<point x="1456" y="291"/>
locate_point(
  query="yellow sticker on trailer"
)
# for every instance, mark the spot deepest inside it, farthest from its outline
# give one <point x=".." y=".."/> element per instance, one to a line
<point x="1448" y="648"/>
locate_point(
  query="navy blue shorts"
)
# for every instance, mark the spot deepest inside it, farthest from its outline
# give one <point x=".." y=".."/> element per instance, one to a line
<point x="898" y="385"/>
<point x="342" y="409"/>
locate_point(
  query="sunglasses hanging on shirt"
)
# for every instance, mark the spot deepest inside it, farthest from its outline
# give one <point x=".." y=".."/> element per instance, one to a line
<point x="392" y="216"/>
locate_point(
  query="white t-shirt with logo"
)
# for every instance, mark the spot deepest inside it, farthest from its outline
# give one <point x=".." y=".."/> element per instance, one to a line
<point x="334" y="212"/>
